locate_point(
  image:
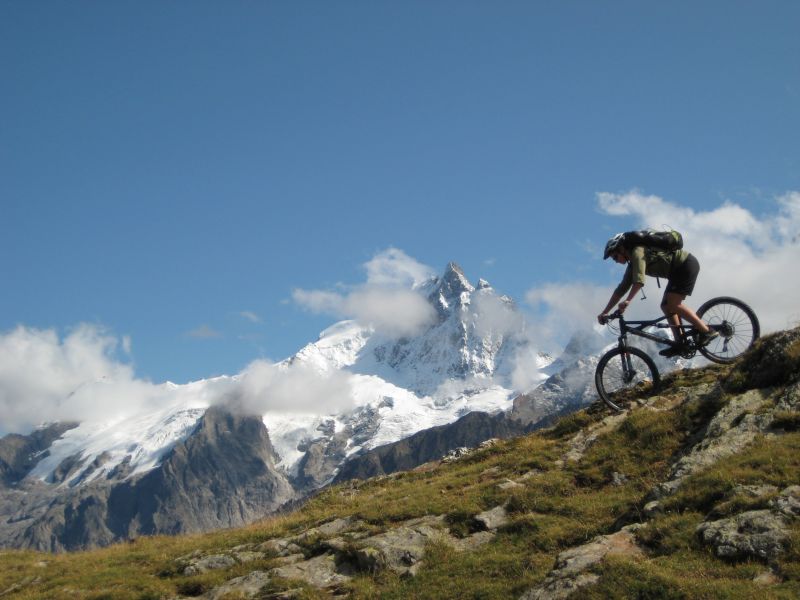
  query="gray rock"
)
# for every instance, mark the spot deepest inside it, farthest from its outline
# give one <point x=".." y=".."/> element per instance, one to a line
<point x="247" y="556"/>
<point x="733" y="428"/>
<point x="280" y="547"/>
<point x="509" y="485"/>
<point x="570" y="571"/>
<point x="755" y="491"/>
<point x="290" y="559"/>
<point x="756" y="533"/>
<point x="653" y="508"/>
<point x="320" y="571"/>
<point x="209" y="563"/>
<point x="584" y="439"/>
<point x="241" y="587"/>
<point x="788" y="503"/>
<point x="401" y="549"/>
<point x="335" y="527"/>
<point x="529" y="475"/>
<point x="493" y="518"/>
<point x="618" y="479"/>
<point x="472" y="542"/>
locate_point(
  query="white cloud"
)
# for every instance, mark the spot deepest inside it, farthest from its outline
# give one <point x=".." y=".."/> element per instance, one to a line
<point x="395" y="312"/>
<point x="79" y="377"/>
<point x="394" y="268"/>
<point x="495" y="317"/>
<point x="525" y="374"/>
<point x="386" y="301"/>
<point x="566" y="307"/>
<point x="320" y="301"/>
<point x="44" y="378"/>
<point x="264" y="387"/>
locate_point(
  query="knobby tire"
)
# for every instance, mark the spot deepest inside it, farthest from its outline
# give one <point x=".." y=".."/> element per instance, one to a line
<point x="610" y="376"/>
<point x="738" y="326"/>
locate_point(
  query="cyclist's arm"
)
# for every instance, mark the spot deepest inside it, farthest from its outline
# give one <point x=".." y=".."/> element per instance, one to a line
<point x="638" y="267"/>
<point x="615" y="297"/>
<point x="634" y="290"/>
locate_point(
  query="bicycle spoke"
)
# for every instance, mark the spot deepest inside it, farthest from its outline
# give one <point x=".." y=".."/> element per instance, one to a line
<point x="621" y="370"/>
<point x="735" y="322"/>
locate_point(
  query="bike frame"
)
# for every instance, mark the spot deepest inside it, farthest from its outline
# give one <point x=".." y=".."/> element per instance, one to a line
<point x="638" y="328"/>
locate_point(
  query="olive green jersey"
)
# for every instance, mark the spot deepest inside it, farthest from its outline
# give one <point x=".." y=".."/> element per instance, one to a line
<point x="649" y="261"/>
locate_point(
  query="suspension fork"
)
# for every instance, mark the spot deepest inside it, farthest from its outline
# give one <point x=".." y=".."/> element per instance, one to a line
<point x="628" y="372"/>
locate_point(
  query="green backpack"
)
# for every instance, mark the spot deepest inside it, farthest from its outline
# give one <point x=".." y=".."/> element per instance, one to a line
<point x="650" y="238"/>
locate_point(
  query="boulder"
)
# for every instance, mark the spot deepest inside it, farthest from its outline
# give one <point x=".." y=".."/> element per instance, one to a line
<point x="493" y="518"/>
<point x="320" y="572"/>
<point x="757" y="533"/>
<point x="209" y="563"/>
<point x="788" y="503"/>
<point x="247" y="586"/>
<point x="401" y="549"/>
<point x="571" y="569"/>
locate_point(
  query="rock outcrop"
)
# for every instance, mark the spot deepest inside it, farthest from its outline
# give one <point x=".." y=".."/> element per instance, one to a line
<point x="223" y="475"/>
<point x="19" y="453"/>
<point x="328" y="556"/>
<point x="761" y="534"/>
<point x="430" y="444"/>
<point x="571" y="571"/>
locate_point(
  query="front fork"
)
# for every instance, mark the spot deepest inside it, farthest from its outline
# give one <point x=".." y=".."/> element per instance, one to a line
<point x="628" y="372"/>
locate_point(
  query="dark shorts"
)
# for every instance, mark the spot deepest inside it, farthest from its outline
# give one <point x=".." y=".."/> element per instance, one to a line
<point x="682" y="279"/>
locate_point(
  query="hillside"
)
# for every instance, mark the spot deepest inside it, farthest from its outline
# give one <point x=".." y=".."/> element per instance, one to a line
<point x="692" y="493"/>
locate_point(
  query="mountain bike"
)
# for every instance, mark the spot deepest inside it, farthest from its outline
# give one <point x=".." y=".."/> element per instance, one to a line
<point x="626" y="367"/>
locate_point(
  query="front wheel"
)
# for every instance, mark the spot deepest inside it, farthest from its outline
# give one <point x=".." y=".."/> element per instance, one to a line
<point x="622" y="369"/>
<point x="736" y="324"/>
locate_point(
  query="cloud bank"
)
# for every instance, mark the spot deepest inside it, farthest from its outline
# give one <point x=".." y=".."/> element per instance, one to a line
<point x="82" y="377"/>
<point x="46" y="378"/>
<point x="265" y="387"/>
<point x="386" y="301"/>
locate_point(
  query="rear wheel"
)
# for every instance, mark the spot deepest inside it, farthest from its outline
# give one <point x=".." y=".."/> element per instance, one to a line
<point x="736" y="324"/>
<point x="622" y="370"/>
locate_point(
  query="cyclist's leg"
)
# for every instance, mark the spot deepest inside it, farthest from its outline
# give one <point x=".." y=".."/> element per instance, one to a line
<point x="681" y="284"/>
<point x="675" y="309"/>
<point x="669" y="305"/>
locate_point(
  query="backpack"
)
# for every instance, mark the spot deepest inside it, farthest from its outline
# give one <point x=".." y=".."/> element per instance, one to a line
<point x="650" y="238"/>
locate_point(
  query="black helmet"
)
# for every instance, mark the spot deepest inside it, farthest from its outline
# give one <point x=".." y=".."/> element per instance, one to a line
<point x="612" y="244"/>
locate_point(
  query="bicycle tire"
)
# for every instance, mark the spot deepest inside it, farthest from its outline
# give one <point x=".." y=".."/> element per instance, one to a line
<point x="610" y="377"/>
<point x="737" y="324"/>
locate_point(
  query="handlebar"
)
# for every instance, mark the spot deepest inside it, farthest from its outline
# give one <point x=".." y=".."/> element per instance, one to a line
<point x="615" y="315"/>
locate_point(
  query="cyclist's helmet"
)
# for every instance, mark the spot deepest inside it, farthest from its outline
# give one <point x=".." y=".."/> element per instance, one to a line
<point x="612" y="244"/>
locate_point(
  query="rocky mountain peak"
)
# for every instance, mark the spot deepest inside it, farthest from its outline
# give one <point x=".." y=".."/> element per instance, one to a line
<point x="453" y="283"/>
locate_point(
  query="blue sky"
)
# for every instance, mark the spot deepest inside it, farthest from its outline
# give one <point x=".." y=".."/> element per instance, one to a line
<point x="173" y="171"/>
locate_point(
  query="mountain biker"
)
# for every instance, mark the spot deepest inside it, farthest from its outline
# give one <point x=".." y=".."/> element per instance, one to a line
<point x="678" y="267"/>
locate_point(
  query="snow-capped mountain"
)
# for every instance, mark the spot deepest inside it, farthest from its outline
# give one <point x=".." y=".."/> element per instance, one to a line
<point x="462" y="362"/>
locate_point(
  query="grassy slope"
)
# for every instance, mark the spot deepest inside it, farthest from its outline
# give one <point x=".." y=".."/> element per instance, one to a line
<point x="559" y="507"/>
